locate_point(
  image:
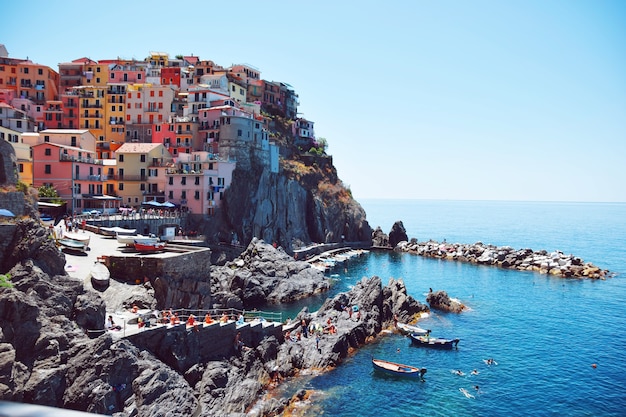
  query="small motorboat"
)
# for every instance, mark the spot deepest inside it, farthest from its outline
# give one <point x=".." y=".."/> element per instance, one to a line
<point x="433" y="342"/>
<point x="79" y="237"/>
<point x="71" y="245"/>
<point x="100" y="275"/>
<point x="398" y="369"/>
<point x="129" y="240"/>
<point x="146" y="246"/>
<point x="115" y="231"/>
<point x="407" y="329"/>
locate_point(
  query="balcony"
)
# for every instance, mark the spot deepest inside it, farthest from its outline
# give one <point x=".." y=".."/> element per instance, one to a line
<point x="126" y="177"/>
<point x="74" y="158"/>
<point x="91" y="178"/>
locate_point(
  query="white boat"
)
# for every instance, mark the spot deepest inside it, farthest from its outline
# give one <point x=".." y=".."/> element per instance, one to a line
<point x="100" y="275"/>
<point x="398" y="369"/>
<point x="129" y="240"/>
<point x="114" y="231"/>
<point x="79" y="237"/>
<point x="71" y="245"/>
<point x="410" y="329"/>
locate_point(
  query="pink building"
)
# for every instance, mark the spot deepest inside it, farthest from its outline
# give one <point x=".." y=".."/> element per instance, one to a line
<point x="197" y="181"/>
<point x="75" y="173"/>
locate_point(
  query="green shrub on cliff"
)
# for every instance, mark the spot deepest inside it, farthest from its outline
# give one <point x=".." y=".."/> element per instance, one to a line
<point x="5" y="281"/>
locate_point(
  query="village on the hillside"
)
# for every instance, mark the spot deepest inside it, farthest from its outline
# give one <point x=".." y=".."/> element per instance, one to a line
<point x="117" y="133"/>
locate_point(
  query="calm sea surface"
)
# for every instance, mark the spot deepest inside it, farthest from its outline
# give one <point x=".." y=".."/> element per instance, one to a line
<point x="544" y="332"/>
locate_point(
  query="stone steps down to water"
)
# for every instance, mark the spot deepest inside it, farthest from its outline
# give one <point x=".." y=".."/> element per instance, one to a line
<point x="554" y="263"/>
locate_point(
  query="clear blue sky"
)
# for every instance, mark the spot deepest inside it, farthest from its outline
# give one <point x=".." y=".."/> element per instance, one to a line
<point x="462" y="100"/>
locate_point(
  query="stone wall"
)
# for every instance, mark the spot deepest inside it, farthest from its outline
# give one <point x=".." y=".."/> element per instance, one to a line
<point x="181" y="347"/>
<point x="14" y="201"/>
<point x="181" y="281"/>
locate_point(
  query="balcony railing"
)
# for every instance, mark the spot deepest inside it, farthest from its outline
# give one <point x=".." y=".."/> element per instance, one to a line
<point x="130" y="177"/>
<point x="91" y="177"/>
<point x="73" y="158"/>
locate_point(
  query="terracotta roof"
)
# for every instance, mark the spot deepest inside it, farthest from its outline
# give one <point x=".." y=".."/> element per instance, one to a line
<point x="137" y="147"/>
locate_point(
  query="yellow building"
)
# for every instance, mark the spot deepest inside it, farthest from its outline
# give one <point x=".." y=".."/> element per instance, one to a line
<point x="115" y="116"/>
<point x="91" y="111"/>
<point x="136" y="175"/>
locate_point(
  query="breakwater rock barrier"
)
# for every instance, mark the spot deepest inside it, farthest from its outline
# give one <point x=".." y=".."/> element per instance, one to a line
<point x="553" y="263"/>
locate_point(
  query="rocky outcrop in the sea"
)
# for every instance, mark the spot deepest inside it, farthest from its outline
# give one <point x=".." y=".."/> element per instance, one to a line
<point x="440" y="300"/>
<point x="380" y="238"/>
<point x="554" y="263"/>
<point x="262" y="275"/>
<point x="357" y="316"/>
<point x="397" y="234"/>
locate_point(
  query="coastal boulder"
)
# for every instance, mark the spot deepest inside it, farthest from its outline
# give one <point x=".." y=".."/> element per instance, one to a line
<point x="397" y="234"/>
<point x="440" y="300"/>
<point x="262" y="275"/>
<point x="380" y="238"/>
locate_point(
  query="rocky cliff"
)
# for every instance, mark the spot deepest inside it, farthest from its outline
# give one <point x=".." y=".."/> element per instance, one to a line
<point x="304" y="202"/>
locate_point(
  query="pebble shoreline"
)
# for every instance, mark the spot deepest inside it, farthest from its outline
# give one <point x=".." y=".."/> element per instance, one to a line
<point x="552" y="263"/>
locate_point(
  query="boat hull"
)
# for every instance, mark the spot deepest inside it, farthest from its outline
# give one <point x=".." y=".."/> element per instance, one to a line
<point x="129" y="240"/>
<point x="114" y="231"/>
<point x="71" y="245"/>
<point x="149" y="247"/>
<point x="100" y="275"/>
<point x="433" y="342"/>
<point x="398" y="369"/>
<point x="84" y="238"/>
<point x="407" y="329"/>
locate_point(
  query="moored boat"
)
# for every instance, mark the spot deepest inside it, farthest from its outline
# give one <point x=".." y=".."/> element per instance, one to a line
<point x="114" y="231"/>
<point x="149" y="246"/>
<point x="407" y="329"/>
<point x="129" y="240"/>
<point x="72" y="245"/>
<point x="100" y="275"/>
<point x="433" y="342"/>
<point x="79" y="237"/>
<point x="398" y="369"/>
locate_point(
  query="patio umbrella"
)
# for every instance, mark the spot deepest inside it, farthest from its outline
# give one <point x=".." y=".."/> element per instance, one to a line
<point x="152" y="203"/>
<point x="6" y="213"/>
<point x="168" y="204"/>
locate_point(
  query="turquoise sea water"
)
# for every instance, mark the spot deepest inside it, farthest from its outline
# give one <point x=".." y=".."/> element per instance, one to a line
<point x="544" y="332"/>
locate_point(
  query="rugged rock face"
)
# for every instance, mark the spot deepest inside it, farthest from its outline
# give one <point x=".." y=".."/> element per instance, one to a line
<point x="292" y="210"/>
<point x="397" y="234"/>
<point x="27" y="239"/>
<point x="358" y="316"/>
<point x="380" y="238"/>
<point x="41" y="319"/>
<point x="264" y="275"/>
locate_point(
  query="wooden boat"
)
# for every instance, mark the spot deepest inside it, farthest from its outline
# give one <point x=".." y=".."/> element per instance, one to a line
<point x="100" y="275"/>
<point x="433" y="342"/>
<point x="79" y="237"/>
<point x="407" y="329"/>
<point x="149" y="246"/>
<point x="129" y="240"/>
<point x="398" y="369"/>
<point x="114" y="231"/>
<point x="71" y="245"/>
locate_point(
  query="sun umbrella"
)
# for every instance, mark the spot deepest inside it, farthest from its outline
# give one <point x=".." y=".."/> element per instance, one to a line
<point x="168" y="204"/>
<point x="6" y="213"/>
